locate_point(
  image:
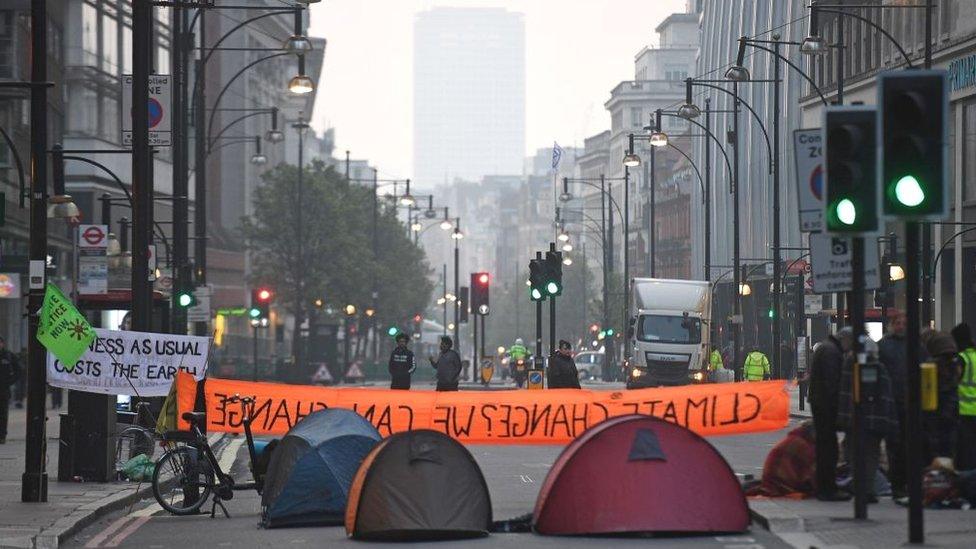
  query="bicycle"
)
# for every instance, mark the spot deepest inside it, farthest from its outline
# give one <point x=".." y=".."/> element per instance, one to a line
<point x="137" y="439"/>
<point x="187" y="476"/>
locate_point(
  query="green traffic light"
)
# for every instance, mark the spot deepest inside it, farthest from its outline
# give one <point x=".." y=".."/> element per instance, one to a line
<point x="536" y="294"/>
<point x="601" y="335"/>
<point x="552" y="288"/>
<point x="184" y="300"/>
<point x="609" y="332"/>
<point x="908" y="191"/>
<point x="254" y="312"/>
<point x="846" y="211"/>
<point x="393" y="331"/>
<point x="771" y="313"/>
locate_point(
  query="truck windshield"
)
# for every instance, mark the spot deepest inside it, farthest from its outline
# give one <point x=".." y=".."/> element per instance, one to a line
<point x="669" y="329"/>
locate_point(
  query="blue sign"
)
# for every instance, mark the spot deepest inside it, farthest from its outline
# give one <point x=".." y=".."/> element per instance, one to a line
<point x="962" y="73"/>
<point x="535" y="377"/>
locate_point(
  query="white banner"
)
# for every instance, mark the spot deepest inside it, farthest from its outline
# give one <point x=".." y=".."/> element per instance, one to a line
<point x="148" y="360"/>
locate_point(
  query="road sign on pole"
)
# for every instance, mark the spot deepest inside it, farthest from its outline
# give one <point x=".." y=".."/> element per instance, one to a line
<point x="808" y="156"/>
<point x="92" y="259"/>
<point x="201" y="311"/>
<point x="160" y="102"/>
<point x="831" y="261"/>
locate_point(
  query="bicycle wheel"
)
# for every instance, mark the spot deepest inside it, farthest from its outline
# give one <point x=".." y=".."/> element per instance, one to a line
<point x="183" y="480"/>
<point x="131" y="442"/>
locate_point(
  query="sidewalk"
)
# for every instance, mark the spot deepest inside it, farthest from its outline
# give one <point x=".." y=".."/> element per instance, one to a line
<point x="830" y="525"/>
<point x="70" y="506"/>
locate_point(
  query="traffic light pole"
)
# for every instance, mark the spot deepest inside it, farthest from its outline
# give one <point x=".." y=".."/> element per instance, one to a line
<point x="552" y="313"/>
<point x="777" y="237"/>
<point x="913" y="419"/>
<point x="474" y="347"/>
<point x="457" y="311"/>
<point x="142" y="169"/>
<point x="538" y="320"/>
<point x="861" y="476"/>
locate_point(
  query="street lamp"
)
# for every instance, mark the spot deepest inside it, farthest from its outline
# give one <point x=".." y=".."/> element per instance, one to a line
<point x="567" y="261"/>
<point x="567" y="247"/>
<point x="258" y="158"/>
<point x="658" y="137"/>
<point x="457" y="234"/>
<point x="563" y="236"/>
<point x="813" y="44"/>
<point x="274" y="135"/>
<point x="298" y="43"/>
<point x="62" y="207"/>
<point x="737" y="72"/>
<point x="350" y="309"/>
<point x="407" y="199"/>
<point x="301" y="84"/>
<point x="689" y="110"/>
<point x="416" y="227"/>
<point x="896" y="272"/>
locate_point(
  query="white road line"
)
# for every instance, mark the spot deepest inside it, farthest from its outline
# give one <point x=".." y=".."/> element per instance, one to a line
<point x="526" y="479"/>
<point x="104" y="534"/>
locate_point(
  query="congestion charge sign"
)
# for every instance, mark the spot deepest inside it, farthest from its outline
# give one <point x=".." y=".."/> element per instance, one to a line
<point x="808" y="156"/>
<point x="160" y="101"/>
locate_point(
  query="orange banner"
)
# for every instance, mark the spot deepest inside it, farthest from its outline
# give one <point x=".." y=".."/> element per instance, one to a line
<point x="495" y="417"/>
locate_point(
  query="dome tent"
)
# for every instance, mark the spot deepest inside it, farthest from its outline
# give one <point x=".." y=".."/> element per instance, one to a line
<point x="640" y="474"/>
<point x="312" y="468"/>
<point x="418" y="485"/>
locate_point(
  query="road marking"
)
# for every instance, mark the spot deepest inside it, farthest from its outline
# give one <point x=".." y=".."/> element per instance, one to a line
<point x="132" y="527"/>
<point x="526" y="479"/>
<point x="104" y="534"/>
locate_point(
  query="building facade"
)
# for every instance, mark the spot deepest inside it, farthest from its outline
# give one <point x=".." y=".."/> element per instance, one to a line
<point x="469" y="94"/>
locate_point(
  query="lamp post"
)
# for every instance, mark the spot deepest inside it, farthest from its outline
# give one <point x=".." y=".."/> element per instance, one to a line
<point x="457" y="235"/>
<point x="299" y="346"/>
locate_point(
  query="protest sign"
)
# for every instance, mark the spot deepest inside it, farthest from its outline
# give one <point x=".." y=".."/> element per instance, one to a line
<point x="131" y="363"/>
<point x="506" y="417"/>
<point x="62" y="329"/>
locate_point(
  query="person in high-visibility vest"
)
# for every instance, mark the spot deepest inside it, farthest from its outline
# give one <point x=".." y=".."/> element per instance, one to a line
<point x="756" y="367"/>
<point x="966" y="428"/>
<point x="715" y="360"/>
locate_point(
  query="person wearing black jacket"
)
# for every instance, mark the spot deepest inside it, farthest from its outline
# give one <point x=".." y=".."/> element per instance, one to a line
<point x="825" y="380"/>
<point x="562" y="372"/>
<point x="9" y="373"/>
<point x="402" y="363"/>
<point x="892" y="353"/>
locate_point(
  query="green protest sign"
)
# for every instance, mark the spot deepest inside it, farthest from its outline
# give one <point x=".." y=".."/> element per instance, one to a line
<point x="62" y="329"/>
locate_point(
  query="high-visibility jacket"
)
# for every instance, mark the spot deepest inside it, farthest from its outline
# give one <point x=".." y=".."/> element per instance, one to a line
<point x="715" y="360"/>
<point x="756" y="366"/>
<point x="967" y="385"/>
<point x="518" y="351"/>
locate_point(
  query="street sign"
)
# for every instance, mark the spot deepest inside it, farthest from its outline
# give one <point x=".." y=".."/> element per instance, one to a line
<point x="812" y="304"/>
<point x="831" y="261"/>
<point x="535" y="379"/>
<point x="201" y="311"/>
<point x="160" y="102"/>
<point x="92" y="259"/>
<point x="808" y="157"/>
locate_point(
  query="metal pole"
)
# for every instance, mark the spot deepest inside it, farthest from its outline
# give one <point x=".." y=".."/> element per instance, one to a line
<point x="841" y="307"/>
<point x="200" y="173"/>
<point x="376" y="253"/>
<point x="300" y="305"/>
<point x="653" y="223"/>
<point x="926" y="227"/>
<point x="708" y="191"/>
<point x="474" y="341"/>
<point x="777" y="229"/>
<point x="736" y="252"/>
<point x="626" y="262"/>
<point x="142" y="169"/>
<point x="606" y="267"/>
<point x="34" y="479"/>
<point x="444" y="279"/>
<point x="347" y="173"/>
<point x="861" y="476"/>
<point x="552" y="312"/>
<point x="457" y="289"/>
<point x="913" y="431"/>
<point x="254" y="337"/>
<point x="180" y="179"/>
<point x="538" y="322"/>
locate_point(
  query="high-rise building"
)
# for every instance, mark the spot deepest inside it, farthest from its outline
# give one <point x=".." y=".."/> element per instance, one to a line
<point x="469" y="94"/>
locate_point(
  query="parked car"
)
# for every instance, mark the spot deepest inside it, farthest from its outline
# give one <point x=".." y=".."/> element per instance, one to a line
<point x="589" y="364"/>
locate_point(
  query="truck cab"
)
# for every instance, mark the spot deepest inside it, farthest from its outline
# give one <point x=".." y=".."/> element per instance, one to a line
<point x="669" y="332"/>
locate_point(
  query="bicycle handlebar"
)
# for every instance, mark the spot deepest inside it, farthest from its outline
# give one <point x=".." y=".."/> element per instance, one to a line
<point x="244" y="400"/>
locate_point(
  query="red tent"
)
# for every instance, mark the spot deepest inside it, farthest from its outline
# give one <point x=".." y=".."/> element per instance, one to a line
<point x="635" y="474"/>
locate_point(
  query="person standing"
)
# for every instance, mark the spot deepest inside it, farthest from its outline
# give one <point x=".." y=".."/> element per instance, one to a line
<point x="939" y="425"/>
<point x="825" y="374"/>
<point x="966" y="437"/>
<point x="562" y="372"/>
<point x="715" y="360"/>
<point x="448" y="366"/>
<point x="402" y="363"/>
<point x="892" y="353"/>
<point x="756" y="367"/>
<point x="9" y="374"/>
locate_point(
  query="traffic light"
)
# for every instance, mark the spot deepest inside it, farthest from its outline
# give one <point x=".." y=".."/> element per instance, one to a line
<point x="913" y="129"/>
<point x="850" y="163"/>
<point x="418" y="326"/>
<point x="393" y="331"/>
<point x="537" y="275"/>
<point x="480" y="283"/>
<point x="260" y="303"/>
<point x="186" y="299"/>
<point x="462" y="302"/>
<point x="554" y="273"/>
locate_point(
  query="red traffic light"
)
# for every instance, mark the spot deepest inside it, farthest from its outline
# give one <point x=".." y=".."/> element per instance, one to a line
<point x="483" y="278"/>
<point x="417" y="318"/>
<point x="264" y="294"/>
<point x="594" y="328"/>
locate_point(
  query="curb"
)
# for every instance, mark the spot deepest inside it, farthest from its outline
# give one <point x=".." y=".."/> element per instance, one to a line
<point x="65" y="527"/>
<point x="775" y="518"/>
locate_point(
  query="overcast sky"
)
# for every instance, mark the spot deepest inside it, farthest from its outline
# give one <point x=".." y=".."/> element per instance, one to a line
<point x="576" y="52"/>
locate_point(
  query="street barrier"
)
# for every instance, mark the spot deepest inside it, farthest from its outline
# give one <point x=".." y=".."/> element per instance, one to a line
<point x="500" y="417"/>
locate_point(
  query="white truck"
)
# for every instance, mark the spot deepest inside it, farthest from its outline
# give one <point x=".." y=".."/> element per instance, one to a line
<point x="669" y="331"/>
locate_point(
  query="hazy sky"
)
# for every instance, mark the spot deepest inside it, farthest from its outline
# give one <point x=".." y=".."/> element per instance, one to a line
<point x="576" y="52"/>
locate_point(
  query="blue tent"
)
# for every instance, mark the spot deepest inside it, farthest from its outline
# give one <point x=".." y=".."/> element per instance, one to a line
<point x="311" y="470"/>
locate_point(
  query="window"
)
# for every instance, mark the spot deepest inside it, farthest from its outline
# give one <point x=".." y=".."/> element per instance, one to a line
<point x="126" y="49"/>
<point x="669" y="329"/>
<point x="89" y="33"/>
<point x="675" y="72"/>
<point x="968" y="143"/>
<point x="7" y="52"/>
<point x="110" y="44"/>
<point x="636" y="119"/>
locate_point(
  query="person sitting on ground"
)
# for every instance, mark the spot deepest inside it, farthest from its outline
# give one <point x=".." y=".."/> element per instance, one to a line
<point x="562" y="368"/>
<point x="790" y="467"/>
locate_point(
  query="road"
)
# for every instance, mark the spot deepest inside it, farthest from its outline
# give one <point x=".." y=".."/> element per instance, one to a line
<point x="514" y="475"/>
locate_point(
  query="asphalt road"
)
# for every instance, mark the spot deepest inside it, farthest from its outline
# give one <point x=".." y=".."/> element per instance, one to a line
<point x="514" y="475"/>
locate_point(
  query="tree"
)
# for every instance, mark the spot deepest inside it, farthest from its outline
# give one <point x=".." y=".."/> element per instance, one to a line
<point x="334" y="259"/>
